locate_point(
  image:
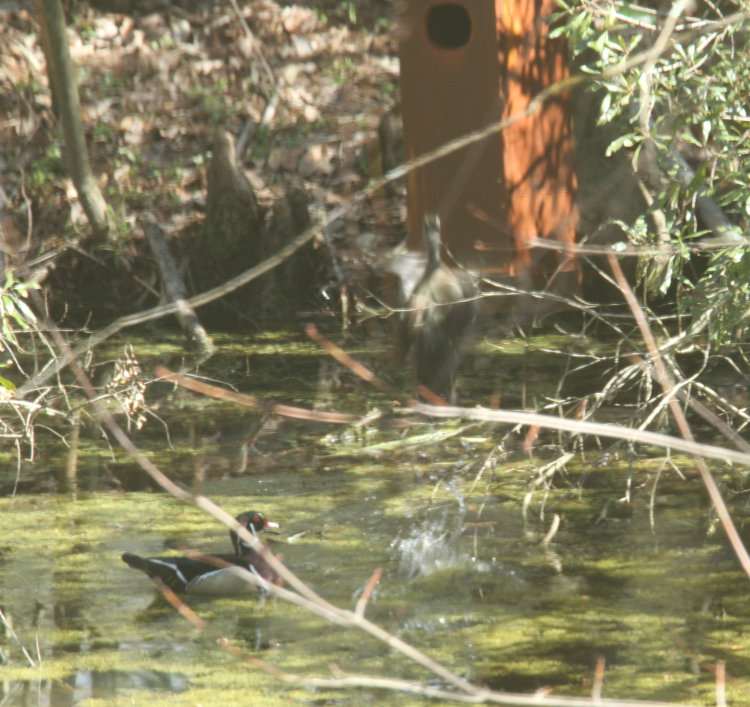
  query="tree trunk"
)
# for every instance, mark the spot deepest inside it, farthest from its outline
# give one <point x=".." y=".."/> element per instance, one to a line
<point x="61" y="76"/>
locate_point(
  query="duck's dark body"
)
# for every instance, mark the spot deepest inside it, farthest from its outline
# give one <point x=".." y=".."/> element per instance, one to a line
<point x="442" y="311"/>
<point x="217" y="574"/>
<point x="186" y="575"/>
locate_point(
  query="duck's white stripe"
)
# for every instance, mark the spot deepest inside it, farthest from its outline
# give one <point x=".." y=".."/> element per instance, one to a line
<point x="171" y="566"/>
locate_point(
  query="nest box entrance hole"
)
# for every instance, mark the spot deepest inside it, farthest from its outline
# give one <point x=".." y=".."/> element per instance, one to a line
<point x="448" y="25"/>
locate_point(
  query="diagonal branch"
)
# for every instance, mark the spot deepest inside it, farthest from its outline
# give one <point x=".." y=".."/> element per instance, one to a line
<point x="668" y="386"/>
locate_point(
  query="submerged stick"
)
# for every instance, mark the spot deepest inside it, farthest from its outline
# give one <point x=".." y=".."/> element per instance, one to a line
<point x="214" y="391"/>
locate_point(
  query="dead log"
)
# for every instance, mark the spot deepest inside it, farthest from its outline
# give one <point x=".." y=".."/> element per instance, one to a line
<point x="176" y="292"/>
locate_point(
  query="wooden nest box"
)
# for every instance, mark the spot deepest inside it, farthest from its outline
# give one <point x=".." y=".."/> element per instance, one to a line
<point x="466" y="64"/>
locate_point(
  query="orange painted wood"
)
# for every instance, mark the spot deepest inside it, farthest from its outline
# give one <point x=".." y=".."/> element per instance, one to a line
<point x="450" y="88"/>
<point x="464" y="65"/>
<point x="537" y="150"/>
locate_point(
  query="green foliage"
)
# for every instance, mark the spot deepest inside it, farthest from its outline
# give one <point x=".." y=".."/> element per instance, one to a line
<point x="690" y="100"/>
<point x="130" y="155"/>
<point x="111" y="84"/>
<point x="388" y="88"/>
<point x="342" y="69"/>
<point x="48" y="167"/>
<point x="724" y="291"/>
<point x="87" y="31"/>
<point x="102" y="132"/>
<point x="213" y="100"/>
<point x="30" y="87"/>
<point x="15" y="314"/>
<point x="351" y="12"/>
<point x="337" y="12"/>
<point x="382" y="24"/>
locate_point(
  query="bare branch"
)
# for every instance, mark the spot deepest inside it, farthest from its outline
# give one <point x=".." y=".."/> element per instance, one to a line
<point x="679" y="416"/>
<point x="359" y="611"/>
<point x="338" y="418"/>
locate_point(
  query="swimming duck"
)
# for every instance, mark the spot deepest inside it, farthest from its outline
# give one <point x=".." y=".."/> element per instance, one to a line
<point x="192" y="576"/>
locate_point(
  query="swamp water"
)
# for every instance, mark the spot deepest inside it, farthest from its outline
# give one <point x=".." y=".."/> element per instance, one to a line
<point x="465" y="579"/>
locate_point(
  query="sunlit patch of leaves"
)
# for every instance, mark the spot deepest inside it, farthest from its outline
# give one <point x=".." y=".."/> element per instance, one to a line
<point x="16" y="317"/>
<point x="695" y="93"/>
<point x="15" y="314"/>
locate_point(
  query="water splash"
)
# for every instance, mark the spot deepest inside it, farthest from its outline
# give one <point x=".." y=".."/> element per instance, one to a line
<point x="433" y="546"/>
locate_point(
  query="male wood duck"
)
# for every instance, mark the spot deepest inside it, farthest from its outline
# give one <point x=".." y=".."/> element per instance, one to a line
<point x="192" y="576"/>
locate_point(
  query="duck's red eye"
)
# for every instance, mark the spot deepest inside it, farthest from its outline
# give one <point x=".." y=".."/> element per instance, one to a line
<point x="256" y="518"/>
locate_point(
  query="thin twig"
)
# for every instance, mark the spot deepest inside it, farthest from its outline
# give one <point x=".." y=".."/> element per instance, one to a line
<point x="520" y="417"/>
<point x="553" y="528"/>
<point x="213" y="391"/>
<point x="721" y="694"/>
<point x="183" y="609"/>
<point x="679" y="416"/>
<point x="596" y="688"/>
<point x="345" y="359"/>
<point x="253" y="41"/>
<point x="698" y="407"/>
<point x="9" y="629"/>
<point x="359" y="610"/>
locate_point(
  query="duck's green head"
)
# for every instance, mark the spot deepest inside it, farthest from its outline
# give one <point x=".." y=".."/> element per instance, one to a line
<point x="255" y="522"/>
